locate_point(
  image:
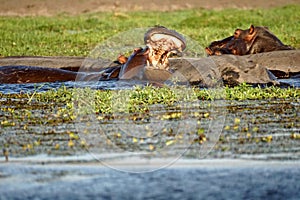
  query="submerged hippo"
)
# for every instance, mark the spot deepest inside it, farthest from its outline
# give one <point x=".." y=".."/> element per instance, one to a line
<point x="256" y="39"/>
<point x="160" y="44"/>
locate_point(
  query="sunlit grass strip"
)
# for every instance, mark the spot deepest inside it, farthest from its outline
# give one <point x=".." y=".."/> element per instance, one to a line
<point x="154" y="95"/>
<point x="247" y="92"/>
<point x="140" y="98"/>
<point x="165" y="95"/>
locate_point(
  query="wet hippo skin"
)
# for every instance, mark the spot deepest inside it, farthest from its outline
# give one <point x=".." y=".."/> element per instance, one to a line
<point x="30" y="74"/>
<point x="256" y="39"/>
<point x="152" y="62"/>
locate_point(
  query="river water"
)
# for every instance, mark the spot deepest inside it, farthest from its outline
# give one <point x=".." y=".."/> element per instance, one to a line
<point x="40" y="87"/>
<point x="205" y="179"/>
<point x="250" y="152"/>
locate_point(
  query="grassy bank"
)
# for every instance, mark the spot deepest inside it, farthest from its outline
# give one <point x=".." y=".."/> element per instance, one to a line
<point x="78" y="35"/>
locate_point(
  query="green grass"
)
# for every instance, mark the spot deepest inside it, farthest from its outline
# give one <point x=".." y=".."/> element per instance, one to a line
<point x="65" y="35"/>
<point x="66" y="104"/>
<point x="140" y="99"/>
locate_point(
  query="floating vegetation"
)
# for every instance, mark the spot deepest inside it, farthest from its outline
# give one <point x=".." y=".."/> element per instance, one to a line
<point x="62" y="121"/>
<point x="139" y="99"/>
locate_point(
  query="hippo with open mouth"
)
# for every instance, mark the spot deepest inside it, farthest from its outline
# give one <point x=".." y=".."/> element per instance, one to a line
<point x="160" y="44"/>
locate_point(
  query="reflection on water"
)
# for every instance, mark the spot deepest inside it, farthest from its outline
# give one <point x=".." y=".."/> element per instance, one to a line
<point x="292" y="81"/>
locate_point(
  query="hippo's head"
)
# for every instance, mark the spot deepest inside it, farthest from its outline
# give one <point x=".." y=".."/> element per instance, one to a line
<point x="256" y="39"/>
<point x="160" y="44"/>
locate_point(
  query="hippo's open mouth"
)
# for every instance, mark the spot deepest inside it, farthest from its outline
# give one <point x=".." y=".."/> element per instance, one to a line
<point x="162" y="42"/>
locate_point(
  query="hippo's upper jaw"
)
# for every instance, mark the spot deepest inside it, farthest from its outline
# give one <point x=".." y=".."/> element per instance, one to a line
<point x="161" y="43"/>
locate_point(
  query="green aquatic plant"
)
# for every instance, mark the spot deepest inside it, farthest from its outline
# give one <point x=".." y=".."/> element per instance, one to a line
<point x="65" y="104"/>
<point x="44" y="121"/>
<point x="247" y="92"/>
<point x="139" y="98"/>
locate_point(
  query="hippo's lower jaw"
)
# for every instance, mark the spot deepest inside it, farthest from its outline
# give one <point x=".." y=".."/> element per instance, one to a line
<point x="158" y="59"/>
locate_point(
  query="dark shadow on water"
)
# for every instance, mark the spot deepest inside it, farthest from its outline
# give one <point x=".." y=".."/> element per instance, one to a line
<point x="293" y="81"/>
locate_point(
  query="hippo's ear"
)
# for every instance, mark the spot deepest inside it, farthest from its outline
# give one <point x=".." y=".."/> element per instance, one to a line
<point x="122" y="59"/>
<point x="251" y="34"/>
<point x="251" y="29"/>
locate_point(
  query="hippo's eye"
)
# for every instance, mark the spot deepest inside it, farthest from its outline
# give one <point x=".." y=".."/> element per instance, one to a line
<point x="237" y="33"/>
